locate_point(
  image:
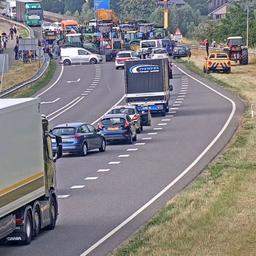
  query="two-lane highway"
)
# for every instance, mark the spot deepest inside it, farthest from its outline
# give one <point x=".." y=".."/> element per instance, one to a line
<point x="105" y="197"/>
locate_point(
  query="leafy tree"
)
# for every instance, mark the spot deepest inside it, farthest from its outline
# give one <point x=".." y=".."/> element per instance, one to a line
<point x="53" y="6"/>
<point x="200" y="5"/>
<point x="73" y="5"/>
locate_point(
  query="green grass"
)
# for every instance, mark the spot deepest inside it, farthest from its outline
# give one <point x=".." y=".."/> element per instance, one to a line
<point x="215" y="214"/>
<point x="42" y="82"/>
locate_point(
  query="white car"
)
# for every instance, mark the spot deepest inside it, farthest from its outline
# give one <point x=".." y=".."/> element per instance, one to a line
<point x="55" y="26"/>
<point x="76" y="55"/>
<point x="159" y="53"/>
<point x="46" y="25"/>
<point x="124" y="56"/>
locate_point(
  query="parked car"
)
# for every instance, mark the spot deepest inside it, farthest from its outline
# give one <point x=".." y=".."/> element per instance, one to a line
<point x="132" y="111"/>
<point x="76" y="55"/>
<point x="217" y="62"/>
<point x="159" y="53"/>
<point x="118" y="127"/>
<point x="55" y="26"/>
<point x="78" y="138"/>
<point x="123" y="56"/>
<point x="181" y="51"/>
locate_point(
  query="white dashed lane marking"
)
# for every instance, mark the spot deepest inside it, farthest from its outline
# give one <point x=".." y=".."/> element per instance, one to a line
<point x="166" y="120"/>
<point x="63" y="196"/>
<point x="91" y="178"/>
<point x="77" y="186"/>
<point x="152" y="133"/>
<point x="147" y="138"/>
<point x="103" y="170"/>
<point x="157" y="129"/>
<point x="123" y="156"/>
<point x="132" y="149"/>
<point x="140" y="144"/>
<point x="114" y="163"/>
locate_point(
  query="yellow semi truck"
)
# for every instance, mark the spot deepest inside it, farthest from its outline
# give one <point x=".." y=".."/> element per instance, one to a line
<point x="28" y="200"/>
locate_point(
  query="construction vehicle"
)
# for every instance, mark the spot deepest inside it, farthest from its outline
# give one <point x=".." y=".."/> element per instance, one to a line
<point x="28" y="200"/>
<point x="106" y="16"/>
<point x="217" y="62"/>
<point x="236" y="50"/>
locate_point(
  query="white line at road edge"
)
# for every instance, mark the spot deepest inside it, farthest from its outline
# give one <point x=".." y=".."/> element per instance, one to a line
<point x="50" y="87"/>
<point x="116" y="229"/>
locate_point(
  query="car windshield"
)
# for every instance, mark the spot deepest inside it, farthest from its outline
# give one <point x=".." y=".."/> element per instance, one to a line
<point x="113" y="121"/>
<point x="235" y="41"/>
<point x="148" y="44"/>
<point x="128" y="111"/>
<point x="157" y="51"/>
<point x="222" y="56"/>
<point x="123" y="55"/>
<point x="63" y="131"/>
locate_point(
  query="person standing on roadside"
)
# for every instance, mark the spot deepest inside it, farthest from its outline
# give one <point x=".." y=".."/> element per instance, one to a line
<point x="206" y="43"/>
<point x="16" y="50"/>
<point x="11" y="33"/>
<point x="14" y="29"/>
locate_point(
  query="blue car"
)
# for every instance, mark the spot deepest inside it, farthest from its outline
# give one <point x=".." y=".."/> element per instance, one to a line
<point x="78" y="138"/>
<point x="118" y="127"/>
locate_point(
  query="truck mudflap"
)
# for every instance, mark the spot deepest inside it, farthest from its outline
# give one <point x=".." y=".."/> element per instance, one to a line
<point x="7" y="225"/>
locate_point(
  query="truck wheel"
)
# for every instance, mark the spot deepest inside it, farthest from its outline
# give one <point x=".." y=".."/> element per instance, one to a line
<point x="36" y="222"/>
<point x="244" y="57"/>
<point x="93" y="61"/>
<point x="67" y="62"/>
<point x="27" y="228"/>
<point x="53" y="211"/>
<point x="84" y="150"/>
<point x="103" y="146"/>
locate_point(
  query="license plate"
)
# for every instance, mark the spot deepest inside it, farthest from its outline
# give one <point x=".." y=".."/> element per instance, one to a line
<point x="53" y="141"/>
<point x="112" y="129"/>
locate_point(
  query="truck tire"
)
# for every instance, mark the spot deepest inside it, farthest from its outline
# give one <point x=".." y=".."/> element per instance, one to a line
<point x="27" y="228"/>
<point x="244" y="57"/>
<point x="53" y="212"/>
<point x="36" y="221"/>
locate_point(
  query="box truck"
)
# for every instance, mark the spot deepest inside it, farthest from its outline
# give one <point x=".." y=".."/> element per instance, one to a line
<point x="28" y="200"/>
<point x="11" y="9"/>
<point x="147" y="84"/>
<point x="29" y="12"/>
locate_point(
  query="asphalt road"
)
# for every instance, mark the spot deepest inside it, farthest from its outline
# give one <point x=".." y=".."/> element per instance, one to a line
<point x="105" y="197"/>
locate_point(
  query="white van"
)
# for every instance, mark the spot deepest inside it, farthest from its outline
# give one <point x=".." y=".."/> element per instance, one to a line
<point x="145" y="45"/>
<point x="76" y="55"/>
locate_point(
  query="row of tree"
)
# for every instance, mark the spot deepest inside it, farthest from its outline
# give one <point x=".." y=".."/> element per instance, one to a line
<point x="190" y="18"/>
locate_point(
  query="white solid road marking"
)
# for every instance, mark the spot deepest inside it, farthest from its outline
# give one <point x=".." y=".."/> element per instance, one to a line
<point x="173" y="112"/>
<point x="103" y="170"/>
<point x="152" y="133"/>
<point x="91" y="178"/>
<point x="90" y="89"/>
<point x="162" y="124"/>
<point x="158" y="129"/>
<point x="166" y="120"/>
<point x="181" y="97"/>
<point x="178" y="178"/>
<point x="87" y="91"/>
<point x="63" y="196"/>
<point x="123" y="156"/>
<point x="50" y="87"/>
<point x="92" y="86"/>
<point x="81" y="98"/>
<point x="173" y="108"/>
<point x="178" y="102"/>
<point x="176" y="105"/>
<point x="140" y="143"/>
<point x="50" y="102"/>
<point x="114" y="163"/>
<point x="182" y="93"/>
<point x="77" y="186"/>
<point x="84" y="94"/>
<point x="132" y="149"/>
<point x="147" y="138"/>
<point x="74" y="81"/>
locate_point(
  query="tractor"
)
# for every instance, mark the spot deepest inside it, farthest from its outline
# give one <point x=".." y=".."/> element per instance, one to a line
<point x="236" y="50"/>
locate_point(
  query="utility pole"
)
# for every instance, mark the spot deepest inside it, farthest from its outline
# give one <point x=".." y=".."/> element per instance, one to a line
<point x="166" y="15"/>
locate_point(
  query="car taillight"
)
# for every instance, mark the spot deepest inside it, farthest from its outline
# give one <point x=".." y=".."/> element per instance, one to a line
<point x="136" y="117"/>
<point x="209" y="63"/>
<point x="77" y="136"/>
<point x="229" y="63"/>
<point x="19" y="221"/>
<point x="100" y="126"/>
<point x="127" y="124"/>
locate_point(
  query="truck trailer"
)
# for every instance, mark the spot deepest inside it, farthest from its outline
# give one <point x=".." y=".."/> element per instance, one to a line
<point x="147" y="84"/>
<point x="29" y="12"/>
<point x="28" y="200"/>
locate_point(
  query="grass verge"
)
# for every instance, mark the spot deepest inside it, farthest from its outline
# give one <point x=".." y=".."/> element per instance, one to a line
<point x="216" y="214"/>
<point x="35" y="87"/>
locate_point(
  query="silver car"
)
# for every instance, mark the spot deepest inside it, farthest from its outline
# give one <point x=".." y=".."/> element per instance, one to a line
<point x="76" y="55"/>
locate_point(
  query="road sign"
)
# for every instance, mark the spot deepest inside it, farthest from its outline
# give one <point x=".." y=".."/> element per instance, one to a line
<point x="101" y="4"/>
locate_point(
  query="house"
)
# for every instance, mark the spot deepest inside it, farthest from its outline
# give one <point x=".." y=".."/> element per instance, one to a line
<point x="220" y="12"/>
<point x="214" y="4"/>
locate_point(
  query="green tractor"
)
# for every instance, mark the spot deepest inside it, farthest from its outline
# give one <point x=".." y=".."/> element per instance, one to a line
<point x="236" y="50"/>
